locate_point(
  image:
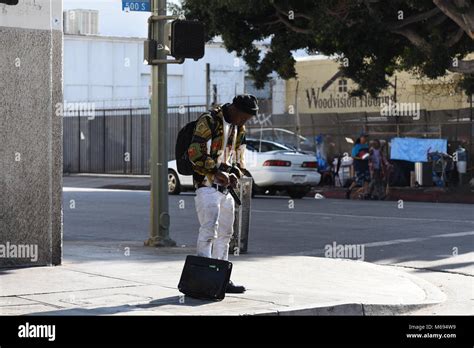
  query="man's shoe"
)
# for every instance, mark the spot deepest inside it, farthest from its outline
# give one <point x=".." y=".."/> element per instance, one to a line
<point x="234" y="289"/>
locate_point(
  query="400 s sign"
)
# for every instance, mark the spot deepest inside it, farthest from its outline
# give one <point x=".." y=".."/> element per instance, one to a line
<point x="138" y="5"/>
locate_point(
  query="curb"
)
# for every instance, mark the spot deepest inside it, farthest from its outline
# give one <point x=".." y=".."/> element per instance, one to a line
<point x="98" y="175"/>
<point x="434" y="296"/>
<point x="348" y="309"/>
<point x="127" y="187"/>
<point x="413" y="196"/>
<point x="408" y="197"/>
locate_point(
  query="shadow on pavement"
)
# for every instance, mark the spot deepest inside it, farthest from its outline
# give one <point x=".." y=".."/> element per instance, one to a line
<point x="172" y="300"/>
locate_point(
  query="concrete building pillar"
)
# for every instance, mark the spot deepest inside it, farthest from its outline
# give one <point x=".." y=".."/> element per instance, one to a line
<point x="31" y="69"/>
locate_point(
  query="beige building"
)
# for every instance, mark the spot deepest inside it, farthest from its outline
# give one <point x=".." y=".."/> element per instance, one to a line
<point x="318" y="102"/>
<point x="321" y="90"/>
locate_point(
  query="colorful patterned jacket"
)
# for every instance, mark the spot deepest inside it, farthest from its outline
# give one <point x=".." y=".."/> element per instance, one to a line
<point x="206" y="150"/>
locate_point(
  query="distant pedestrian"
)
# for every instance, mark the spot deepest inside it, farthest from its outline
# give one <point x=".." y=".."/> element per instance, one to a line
<point x="360" y="154"/>
<point x="379" y="168"/>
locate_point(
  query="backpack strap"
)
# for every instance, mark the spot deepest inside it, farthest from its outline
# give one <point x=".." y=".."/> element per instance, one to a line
<point x="212" y="125"/>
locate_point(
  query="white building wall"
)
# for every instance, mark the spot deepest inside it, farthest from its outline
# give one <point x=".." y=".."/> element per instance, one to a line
<point x="228" y="78"/>
<point x="109" y="68"/>
<point x="110" y="71"/>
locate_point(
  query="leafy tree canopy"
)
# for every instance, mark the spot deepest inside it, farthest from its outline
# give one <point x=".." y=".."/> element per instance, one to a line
<point x="376" y="37"/>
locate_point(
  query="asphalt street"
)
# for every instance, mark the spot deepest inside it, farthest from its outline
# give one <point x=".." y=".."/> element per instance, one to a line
<point x="436" y="241"/>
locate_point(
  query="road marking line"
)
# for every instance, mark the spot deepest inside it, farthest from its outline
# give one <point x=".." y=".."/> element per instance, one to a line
<point x="361" y="216"/>
<point x="420" y="239"/>
<point x="393" y="241"/>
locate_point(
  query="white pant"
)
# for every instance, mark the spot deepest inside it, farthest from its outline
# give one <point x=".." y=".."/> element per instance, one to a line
<point x="215" y="212"/>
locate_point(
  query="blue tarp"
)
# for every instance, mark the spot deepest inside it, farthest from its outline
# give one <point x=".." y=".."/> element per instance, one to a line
<point x="414" y="149"/>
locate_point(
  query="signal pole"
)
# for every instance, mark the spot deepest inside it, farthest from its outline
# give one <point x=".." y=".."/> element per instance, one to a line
<point x="187" y="41"/>
<point x="159" y="208"/>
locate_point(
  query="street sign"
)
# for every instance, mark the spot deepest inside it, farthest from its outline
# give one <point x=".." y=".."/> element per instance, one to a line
<point x="137" y="5"/>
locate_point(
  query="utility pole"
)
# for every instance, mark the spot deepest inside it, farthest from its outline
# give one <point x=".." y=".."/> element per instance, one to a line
<point x="159" y="208"/>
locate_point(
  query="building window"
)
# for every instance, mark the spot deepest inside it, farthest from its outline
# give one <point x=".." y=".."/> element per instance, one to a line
<point x="342" y="86"/>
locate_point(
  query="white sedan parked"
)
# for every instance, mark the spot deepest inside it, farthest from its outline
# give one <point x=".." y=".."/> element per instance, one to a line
<point x="273" y="167"/>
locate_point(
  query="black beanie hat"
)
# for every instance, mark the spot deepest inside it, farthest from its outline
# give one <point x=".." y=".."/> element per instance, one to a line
<point x="246" y="103"/>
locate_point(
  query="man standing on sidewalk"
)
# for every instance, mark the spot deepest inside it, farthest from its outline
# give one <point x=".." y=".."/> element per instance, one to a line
<point x="217" y="152"/>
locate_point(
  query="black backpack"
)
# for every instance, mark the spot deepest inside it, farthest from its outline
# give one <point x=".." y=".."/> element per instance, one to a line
<point x="183" y="141"/>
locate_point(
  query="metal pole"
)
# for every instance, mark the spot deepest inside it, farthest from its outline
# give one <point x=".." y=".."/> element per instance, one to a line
<point x="79" y="140"/>
<point x="159" y="215"/>
<point x="104" y="140"/>
<point x="298" y="121"/>
<point x="131" y="143"/>
<point x="124" y="144"/>
<point x="395" y="101"/>
<point x="142" y="144"/>
<point x="471" y="145"/>
<point x="89" y="141"/>
<point x="208" y="86"/>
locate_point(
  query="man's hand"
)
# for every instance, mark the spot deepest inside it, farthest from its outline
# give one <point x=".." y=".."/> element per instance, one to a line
<point x="221" y="178"/>
<point x="237" y="172"/>
<point x="233" y="180"/>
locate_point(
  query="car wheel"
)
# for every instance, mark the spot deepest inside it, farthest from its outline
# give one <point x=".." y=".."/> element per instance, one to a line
<point x="255" y="188"/>
<point x="272" y="192"/>
<point x="297" y="192"/>
<point x="174" y="187"/>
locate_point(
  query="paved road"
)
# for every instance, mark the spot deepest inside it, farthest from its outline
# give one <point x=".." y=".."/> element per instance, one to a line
<point x="434" y="240"/>
<point x="419" y="231"/>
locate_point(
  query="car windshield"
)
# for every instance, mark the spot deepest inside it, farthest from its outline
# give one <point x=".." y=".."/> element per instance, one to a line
<point x="264" y="146"/>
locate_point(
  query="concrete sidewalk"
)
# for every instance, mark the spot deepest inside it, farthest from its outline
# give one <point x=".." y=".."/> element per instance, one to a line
<point x="126" y="182"/>
<point x="111" y="278"/>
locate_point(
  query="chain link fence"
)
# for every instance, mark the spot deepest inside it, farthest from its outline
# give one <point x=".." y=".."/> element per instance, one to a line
<point x="337" y="130"/>
<point x="117" y="141"/>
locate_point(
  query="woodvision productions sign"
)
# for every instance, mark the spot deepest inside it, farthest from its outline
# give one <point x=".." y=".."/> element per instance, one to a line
<point x="321" y="89"/>
<point x="318" y="100"/>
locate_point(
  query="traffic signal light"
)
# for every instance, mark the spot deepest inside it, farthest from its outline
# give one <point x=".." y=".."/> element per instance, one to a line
<point x="187" y="39"/>
<point x="9" y="2"/>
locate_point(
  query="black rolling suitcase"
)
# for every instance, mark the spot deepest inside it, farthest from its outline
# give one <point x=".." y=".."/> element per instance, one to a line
<point x="205" y="278"/>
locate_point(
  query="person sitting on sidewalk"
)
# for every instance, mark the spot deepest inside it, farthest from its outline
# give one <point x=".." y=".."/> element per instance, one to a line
<point x="379" y="168"/>
<point x="219" y="142"/>
<point x="360" y="153"/>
